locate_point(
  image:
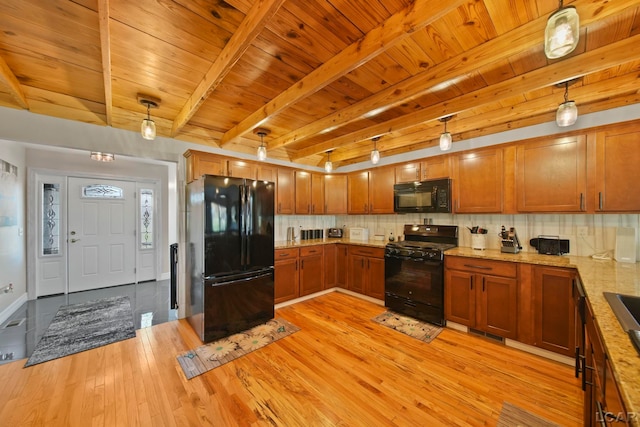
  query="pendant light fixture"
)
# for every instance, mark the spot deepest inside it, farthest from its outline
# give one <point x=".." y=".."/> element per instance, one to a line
<point x="567" y="113"/>
<point x="148" y="127"/>
<point x="375" y="154"/>
<point x="328" y="166"/>
<point x="262" y="150"/>
<point x="562" y="32"/>
<point x="445" y="137"/>
<point x="99" y="156"/>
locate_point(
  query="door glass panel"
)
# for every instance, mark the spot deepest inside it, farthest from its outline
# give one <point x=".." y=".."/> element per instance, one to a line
<point x="99" y="191"/>
<point x="50" y="219"/>
<point x="146" y="219"/>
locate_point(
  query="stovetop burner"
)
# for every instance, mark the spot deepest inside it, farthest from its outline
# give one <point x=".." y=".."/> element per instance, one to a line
<point x="421" y="245"/>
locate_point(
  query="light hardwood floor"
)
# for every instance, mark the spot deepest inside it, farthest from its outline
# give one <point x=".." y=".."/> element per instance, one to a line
<point x="339" y="369"/>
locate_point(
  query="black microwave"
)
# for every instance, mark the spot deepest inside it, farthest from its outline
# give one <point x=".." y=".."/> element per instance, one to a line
<point x="432" y="196"/>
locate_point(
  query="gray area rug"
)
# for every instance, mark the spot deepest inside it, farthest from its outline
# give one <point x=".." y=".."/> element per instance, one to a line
<point x="210" y="356"/>
<point x="511" y="416"/>
<point x="80" y="327"/>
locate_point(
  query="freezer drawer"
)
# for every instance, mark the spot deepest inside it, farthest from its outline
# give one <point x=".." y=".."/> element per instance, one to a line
<point x="235" y="306"/>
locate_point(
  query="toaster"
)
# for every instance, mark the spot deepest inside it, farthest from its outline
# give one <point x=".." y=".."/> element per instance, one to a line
<point x="334" y="232"/>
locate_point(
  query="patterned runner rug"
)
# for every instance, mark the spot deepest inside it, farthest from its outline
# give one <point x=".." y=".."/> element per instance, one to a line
<point x="83" y="326"/>
<point x="511" y="416"/>
<point x="409" y="326"/>
<point x="217" y="353"/>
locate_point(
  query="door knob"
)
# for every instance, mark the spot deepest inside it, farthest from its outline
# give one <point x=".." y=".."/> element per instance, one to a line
<point x="75" y="240"/>
<point x="73" y="233"/>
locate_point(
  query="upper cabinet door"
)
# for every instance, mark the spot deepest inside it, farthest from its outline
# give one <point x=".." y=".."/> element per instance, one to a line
<point x="551" y="175"/>
<point x="335" y="194"/>
<point x="200" y="163"/>
<point x="303" y="192"/>
<point x="409" y="172"/>
<point x="381" y="190"/>
<point x="317" y="193"/>
<point x="358" y="193"/>
<point x="242" y="169"/>
<point x="285" y="192"/>
<point x="435" y="168"/>
<point x="478" y="181"/>
<point x="618" y="170"/>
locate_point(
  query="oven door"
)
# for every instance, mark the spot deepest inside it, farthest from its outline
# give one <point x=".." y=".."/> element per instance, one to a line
<point x="415" y="288"/>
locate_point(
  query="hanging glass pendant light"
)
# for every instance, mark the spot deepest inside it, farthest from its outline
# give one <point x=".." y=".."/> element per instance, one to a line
<point x="445" y="137"/>
<point x="375" y="154"/>
<point x="148" y="127"/>
<point x="262" y="150"/>
<point x="328" y="166"/>
<point x="567" y="113"/>
<point x="562" y="32"/>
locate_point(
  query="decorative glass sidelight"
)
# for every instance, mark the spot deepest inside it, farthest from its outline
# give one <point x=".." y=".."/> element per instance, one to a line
<point x="50" y="219"/>
<point x="146" y="219"/>
<point x="100" y="191"/>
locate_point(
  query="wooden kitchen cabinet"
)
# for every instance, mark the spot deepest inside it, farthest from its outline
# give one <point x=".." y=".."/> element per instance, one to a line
<point x="478" y="179"/>
<point x="286" y="282"/>
<point x="242" y="169"/>
<point x="617" y="169"/>
<point x="309" y="193"/>
<point x="358" y="193"/>
<point x="285" y="194"/>
<point x="436" y="167"/>
<point x="366" y="271"/>
<point x="330" y="263"/>
<point x="266" y="172"/>
<point x="342" y="253"/>
<point x="381" y="190"/>
<point x="311" y="270"/>
<point x="408" y="172"/>
<point x="551" y="175"/>
<point x="200" y="163"/>
<point x="482" y="294"/>
<point x="554" y="309"/>
<point x="335" y="194"/>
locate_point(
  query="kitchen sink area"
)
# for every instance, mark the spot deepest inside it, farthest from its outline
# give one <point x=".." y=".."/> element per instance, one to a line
<point x="627" y="311"/>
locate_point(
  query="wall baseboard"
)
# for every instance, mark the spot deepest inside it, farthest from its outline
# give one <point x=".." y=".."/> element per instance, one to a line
<point x="7" y="312"/>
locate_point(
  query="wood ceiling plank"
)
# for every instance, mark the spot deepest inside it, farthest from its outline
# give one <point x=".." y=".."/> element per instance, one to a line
<point x="522" y="38"/>
<point x="254" y="21"/>
<point x="519" y="13"/>
<point x="12" y="84"/>
<point x="105" y="48"/>
<point x="400" y="25"/>
<point x="586" y="63"/>
<point x="219" y="13"/>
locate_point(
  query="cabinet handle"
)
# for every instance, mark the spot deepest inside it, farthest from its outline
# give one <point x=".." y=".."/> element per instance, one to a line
<point x="362" y="263"/>
<point x="600" y="200"/>
<point x="581" y="202"/>
<point x="302" y="265"/>
<point x="483" y="284"/>
<point x="471" y="283"/>
<point x="308" y="208"/>
<point x="325" y="208"/>
<point x="296" y="265"/>
<point x="279" y="207"/>
<point x="481" y="267"/>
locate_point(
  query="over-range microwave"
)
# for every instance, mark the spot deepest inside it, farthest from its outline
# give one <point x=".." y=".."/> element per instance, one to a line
<point x="432" y="196"/>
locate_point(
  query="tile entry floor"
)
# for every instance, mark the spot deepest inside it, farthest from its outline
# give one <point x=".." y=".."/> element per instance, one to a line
<point x="21" y="332"/>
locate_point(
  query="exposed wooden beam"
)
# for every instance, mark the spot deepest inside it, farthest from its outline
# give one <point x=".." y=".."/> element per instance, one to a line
<point x="12" y="83"/>
<point x="418" y="15"/>
<point x="105" y="46"/>
<point x="251" y="26"/>
<point x="518" y="40"/>
<point x="577" y="66"/>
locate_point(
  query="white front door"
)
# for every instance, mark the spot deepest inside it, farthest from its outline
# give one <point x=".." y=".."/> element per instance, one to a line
<point x="101" y="233"/>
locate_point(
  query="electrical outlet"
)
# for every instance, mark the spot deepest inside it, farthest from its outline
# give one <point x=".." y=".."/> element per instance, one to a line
<point x="582" y="231"/>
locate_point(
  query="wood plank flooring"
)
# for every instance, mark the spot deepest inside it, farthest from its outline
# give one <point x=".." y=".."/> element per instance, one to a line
<point x="340" y="369"/>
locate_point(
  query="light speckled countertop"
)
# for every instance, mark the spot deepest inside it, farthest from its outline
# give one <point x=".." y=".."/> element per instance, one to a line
<point x="327" y="241"/>
<point x="597" y="276"/>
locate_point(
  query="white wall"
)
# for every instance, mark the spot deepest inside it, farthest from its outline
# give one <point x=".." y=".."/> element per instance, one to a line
<point x="13" y="238"/>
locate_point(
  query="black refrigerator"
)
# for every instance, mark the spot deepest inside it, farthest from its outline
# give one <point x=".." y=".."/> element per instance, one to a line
<point x="229" y="255"/>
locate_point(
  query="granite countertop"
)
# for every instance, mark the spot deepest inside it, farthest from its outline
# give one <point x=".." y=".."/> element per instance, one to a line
<point x="597" y="276"/>
<point x="283" y="244"/>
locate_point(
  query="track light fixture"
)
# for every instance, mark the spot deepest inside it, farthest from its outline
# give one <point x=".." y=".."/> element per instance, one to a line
<point x="445" y="137"/>
<point x="562" y="32"/>
<point x="375" y="154"/>
<point x="567" y="113"/>
<point x="148" y="127"/>
<point x="262" y="150"/>
<point x="328" y="166"/>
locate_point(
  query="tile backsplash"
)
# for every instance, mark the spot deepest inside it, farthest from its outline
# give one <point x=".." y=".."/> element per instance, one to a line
<point x="587" y="234"/>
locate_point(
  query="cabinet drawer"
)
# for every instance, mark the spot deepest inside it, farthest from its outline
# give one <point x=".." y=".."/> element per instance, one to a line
<point x="286" y="254"/>
<point x="310" y="250"/>
<point x="366" y="251"/>
<point x="483" y="266"/>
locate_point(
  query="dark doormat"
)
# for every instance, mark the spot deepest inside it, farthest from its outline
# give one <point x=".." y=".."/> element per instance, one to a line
<point x="83" y="326"/>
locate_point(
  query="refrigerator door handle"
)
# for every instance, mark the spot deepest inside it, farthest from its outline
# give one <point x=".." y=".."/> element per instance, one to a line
<point x="243" y="226"/>
<point x="248" y="226"/>
<point x="266" y="273"/>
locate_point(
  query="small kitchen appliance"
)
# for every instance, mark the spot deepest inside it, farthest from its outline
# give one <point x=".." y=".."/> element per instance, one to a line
<point x="334" y="233"/>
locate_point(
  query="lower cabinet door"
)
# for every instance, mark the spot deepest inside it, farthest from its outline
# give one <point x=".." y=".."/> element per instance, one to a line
<point x="311" y="274"/>
<point x="498" y="306"/>
<point x="286" y="280"/>
<point x="375" y="285"/>
<point x="459" y="298"/>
